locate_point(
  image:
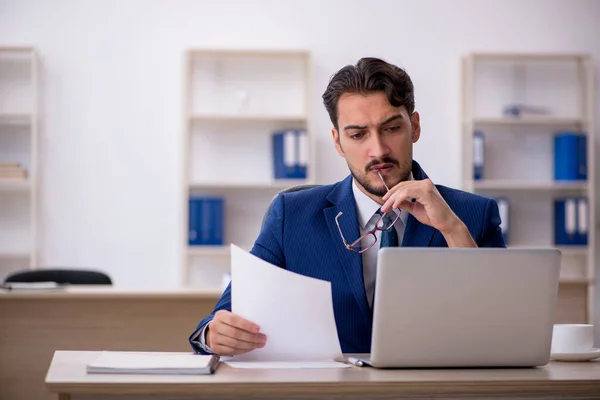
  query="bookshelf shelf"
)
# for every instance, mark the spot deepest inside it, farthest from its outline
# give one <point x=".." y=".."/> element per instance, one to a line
<point x="520" y="185"/>
<point x="518" y="155"/>
<point x="248" y="185"/>
<point x="233" y="118"/>
<point x="223" y="53"/>
<point x="524" y="121"/>
<point x="235" y="101"/>
<point x="531" y="57"/>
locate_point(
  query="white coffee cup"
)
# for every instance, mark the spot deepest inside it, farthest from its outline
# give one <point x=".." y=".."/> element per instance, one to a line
<point x="572" y="338"/>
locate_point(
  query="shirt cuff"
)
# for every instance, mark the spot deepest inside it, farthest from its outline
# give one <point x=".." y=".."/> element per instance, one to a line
<point x="200" y="340"/>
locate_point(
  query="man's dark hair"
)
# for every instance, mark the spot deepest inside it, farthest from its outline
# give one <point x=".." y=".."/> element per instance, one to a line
<point x="370" y="75"/>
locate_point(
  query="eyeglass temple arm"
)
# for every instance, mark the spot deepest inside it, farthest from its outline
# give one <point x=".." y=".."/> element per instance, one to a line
<point x="348" y="246"/>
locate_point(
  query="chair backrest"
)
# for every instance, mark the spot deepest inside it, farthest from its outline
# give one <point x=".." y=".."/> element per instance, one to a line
<point x="61" y="276"/>
<point x="296" y="188"/>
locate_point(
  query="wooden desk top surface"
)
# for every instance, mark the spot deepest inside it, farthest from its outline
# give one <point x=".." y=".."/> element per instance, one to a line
<point x="67" y="374"/>
<point x="107" y="292"/>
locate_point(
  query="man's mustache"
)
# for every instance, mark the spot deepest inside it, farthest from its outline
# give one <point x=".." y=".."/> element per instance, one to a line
<point x="385" y="160"/>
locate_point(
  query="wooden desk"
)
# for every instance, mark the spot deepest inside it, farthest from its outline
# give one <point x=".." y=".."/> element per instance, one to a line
<point x="67" y="377"/>
<point x="35" y="324"/>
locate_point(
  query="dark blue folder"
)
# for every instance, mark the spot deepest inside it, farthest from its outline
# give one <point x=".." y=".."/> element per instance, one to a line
<point x="290" y="154"/>
<point x="206" y="220"/>
<point x="570" y="156"/>
<point x="565" y="222"/>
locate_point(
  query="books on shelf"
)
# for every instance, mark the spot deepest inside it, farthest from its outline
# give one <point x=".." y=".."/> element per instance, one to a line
<point x="478" y="154"/>
<point x="516" y="110"/>
<point x="12" y="172"/>
<point x="172" y="363"/>
<point x="504" y="209"/>
<point x="290" y="154"/>
<point x="571" y="222"/>
<point x="206" y="221"/>
<point x="570" y="156"/>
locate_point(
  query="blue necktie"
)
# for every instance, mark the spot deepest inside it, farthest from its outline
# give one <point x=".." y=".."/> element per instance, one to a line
<point x="389" y="238"/>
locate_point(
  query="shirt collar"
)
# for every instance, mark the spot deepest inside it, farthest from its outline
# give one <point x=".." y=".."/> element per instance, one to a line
<point x="366" y="207"/>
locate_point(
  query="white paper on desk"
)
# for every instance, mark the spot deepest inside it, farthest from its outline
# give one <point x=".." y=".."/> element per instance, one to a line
<point x="286" y="364"/>
<point x="294" y="311"/>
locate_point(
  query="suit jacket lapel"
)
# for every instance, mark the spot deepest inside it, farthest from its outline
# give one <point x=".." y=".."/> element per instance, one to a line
<point x="343" y="200"/>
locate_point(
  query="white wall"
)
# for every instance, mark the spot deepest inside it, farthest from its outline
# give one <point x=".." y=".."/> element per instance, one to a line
<point x="111" y="89"/>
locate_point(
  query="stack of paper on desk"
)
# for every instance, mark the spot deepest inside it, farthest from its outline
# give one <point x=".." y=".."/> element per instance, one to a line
<point x="130" y="362"/>
<point x="294" y="311"/>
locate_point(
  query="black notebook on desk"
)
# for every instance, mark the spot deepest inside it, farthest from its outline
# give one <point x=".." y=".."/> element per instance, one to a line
<point x="133" y="362"/>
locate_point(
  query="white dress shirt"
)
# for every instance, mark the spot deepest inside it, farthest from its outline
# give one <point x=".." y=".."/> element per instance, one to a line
<point x="366" y="210"/>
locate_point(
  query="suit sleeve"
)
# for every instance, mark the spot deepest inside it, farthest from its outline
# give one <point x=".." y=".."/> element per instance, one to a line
<point x="268" y="246"/>
<point x="491" y="234"/>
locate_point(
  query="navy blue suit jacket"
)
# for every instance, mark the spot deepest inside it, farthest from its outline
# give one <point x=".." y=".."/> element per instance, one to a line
<point x="300" y="235"/>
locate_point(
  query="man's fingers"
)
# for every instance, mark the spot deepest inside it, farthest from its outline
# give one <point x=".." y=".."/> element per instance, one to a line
<point x="394" y="201"/>
<point x="416" y="188"/>
<point x="235" y="343"/>
<point x="406" y="205"/>
<point x="230" y="334"/>
<point x="239" y="334"/>
<point x="240" y="323"/>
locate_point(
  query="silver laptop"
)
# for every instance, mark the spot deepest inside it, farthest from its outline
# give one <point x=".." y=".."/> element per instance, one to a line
<point x="439" y="307"/>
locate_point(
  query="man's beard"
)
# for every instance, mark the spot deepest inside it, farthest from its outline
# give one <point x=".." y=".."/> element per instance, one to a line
<point x="363" y="179"/>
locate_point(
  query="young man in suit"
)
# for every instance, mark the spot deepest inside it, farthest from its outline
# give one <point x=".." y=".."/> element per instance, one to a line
<point x="330" y="232"/>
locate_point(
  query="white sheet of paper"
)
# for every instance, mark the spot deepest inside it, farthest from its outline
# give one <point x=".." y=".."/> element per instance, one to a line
<point x="286" y="364"/>
<point x="294" y="311"/>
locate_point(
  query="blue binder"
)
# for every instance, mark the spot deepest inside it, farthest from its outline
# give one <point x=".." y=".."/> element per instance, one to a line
<point x="290" y="154"/>
<point x="570" y="156"/>
<point x="582" y="157"/>
<point x="206" y="220"/>
<point x="478" y="154"/>
<point x="581" y="235"/>
<point x="565" y="222"/>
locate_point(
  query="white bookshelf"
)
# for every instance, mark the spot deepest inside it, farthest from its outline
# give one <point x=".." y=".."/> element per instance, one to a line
<point x="519" y="154"/>
<point x="234" y="100"/>
<point x="18" y="145"/>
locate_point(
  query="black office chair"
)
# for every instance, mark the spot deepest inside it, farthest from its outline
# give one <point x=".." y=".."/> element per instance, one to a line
<point x="60" y="276"/>
<point x="296" y="188"/>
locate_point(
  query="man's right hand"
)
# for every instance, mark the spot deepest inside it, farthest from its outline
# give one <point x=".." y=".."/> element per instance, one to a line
<point x="230" y="334"/>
